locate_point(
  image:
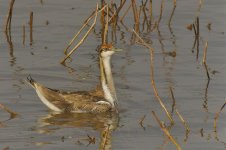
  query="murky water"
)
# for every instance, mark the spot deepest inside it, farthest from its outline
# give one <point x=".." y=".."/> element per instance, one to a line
<point x="55" y="23"/>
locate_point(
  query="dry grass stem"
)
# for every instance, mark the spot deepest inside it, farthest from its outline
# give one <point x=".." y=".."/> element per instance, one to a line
<point x="174" y="101"/>
<point x="152" y="78"/>
<point x="9" y="17"/>
<point x="105" y="33"/>
<point x="24" y="35"/>
<point x="12" y="114"/>
<point x="204" y="60"/>
<point x="80" y="30"/>
<point x="217" y="116"/>
<point x="166" y="131"/>
<point x="84" y="37"/>
<point x="161" y="12"/>
<point x="127" y="10"/>
<point x="135" y="15"/>
<point x="172" y="13"/>
<point x="115" y="15"/>
<point x="183" y="121"/>
<point x="150" y="12"/>
<point x="31" y="27"/>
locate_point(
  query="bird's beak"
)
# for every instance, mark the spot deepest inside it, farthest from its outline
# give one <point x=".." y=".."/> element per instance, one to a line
<point x="117" y="49"/>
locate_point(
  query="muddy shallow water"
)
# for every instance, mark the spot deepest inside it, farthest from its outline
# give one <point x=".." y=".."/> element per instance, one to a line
<point x="55" y="23"/>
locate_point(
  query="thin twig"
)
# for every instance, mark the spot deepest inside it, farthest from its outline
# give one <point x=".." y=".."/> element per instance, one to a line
<point x="166" y="131"/>
<point x="121" y="19"/>
<point x="105" y="35"/>
<point x="161" y="11"/>
<point x="31" y="27"/>
<point x="24" y="35"/>
<point x="84" y="37"/>
<point x="183" y="121"/>
<point x="172" y="13"/>
<point x="80" y="30"/>
<point x="204" y="60"/>
<point x="173" y="98"/>
<point x="9" y="17"/>
<point x="152" y="78"/>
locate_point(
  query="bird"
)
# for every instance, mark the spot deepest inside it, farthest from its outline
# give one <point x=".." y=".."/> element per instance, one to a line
<point x="83" y="101"/>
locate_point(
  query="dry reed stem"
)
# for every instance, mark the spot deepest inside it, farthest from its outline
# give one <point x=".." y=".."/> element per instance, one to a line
<point x="183" y="121"/>
<point x="152" y="78"/>
<point x="117" y="11"/>
<point x="84" y="37"/>
<point x="175" y="3"/>
<point x="127" y="10"/>
<point x="83" y="26"/>
<point x="166" y="131"/>
<point x="150" y="12"/>
<point x="172" y="13"/>
<point x="9" y="17"/>
<point x="24" y="35"/>
<point x="135" y="15"/>
<point x="80" y="30"/>
<point x="12" y="114"/>
<point x="217" y="116"/>
<point x="204" y="60"/>
<point x="105" y="35"/>
<point x="31" y="27"/>
<point x="173" y="98"/>
<point x="161" y="10"/>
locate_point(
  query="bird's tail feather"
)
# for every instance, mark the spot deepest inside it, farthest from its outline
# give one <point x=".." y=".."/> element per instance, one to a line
<point x="30" y="81"/>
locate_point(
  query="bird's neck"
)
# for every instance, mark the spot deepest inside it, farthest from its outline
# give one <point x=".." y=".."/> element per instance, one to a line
<point x="107" y="81"/>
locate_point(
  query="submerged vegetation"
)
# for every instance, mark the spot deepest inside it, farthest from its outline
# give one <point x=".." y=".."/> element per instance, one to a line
<point x="110" y="16"/>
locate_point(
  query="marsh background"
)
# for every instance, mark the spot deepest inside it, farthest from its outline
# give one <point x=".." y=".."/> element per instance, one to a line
<point x="55" y="23"/>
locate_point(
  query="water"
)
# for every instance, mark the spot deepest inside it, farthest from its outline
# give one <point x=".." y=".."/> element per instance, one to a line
<point x="196" y="99"/>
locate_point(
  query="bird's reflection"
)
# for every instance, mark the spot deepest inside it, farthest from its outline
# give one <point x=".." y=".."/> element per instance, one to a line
<point x="105" y="123"/>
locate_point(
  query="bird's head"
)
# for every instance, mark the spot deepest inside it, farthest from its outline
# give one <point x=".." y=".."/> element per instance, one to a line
<point x="107" y="50"/>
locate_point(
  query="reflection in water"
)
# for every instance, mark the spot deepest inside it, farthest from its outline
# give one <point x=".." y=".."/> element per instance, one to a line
<point x="11" y="53"/>
<point x="104" y="123"/>
<point x="205" y="103"/>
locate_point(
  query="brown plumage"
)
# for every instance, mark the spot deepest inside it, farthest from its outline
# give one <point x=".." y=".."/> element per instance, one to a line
<point x="82" y="101"/>
<point x="79" y="101"/>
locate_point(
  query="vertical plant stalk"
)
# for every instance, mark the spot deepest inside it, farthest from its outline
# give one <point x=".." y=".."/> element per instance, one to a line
<point x="174" y="101"/>
<point x="204" y="61"/>
<point x="152" y="78"/>
<point x="105" y="33"/>
<point x="24" y="35"/>
<point x="9" y="17"/>
<point x="172" y="13"/>
<point x="31" y="27"/>
<point x="116" y="14"/>
<point x="135" y="15"/>
<point x="150" y="12"/>
<point x="161" y="12"/>
<point x="166" y="131"/>
<point x="82" y="40"/>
